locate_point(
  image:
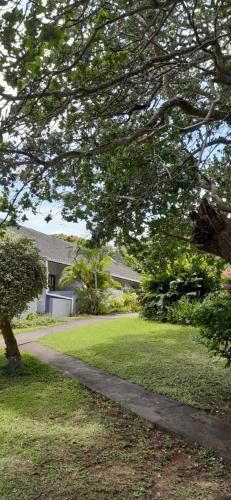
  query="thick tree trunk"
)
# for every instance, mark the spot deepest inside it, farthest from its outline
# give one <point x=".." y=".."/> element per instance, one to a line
<point x="12" y="351"/>
<point x="212" y="231"/>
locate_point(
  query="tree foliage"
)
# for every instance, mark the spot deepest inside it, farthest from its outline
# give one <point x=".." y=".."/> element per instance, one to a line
<point x="160" y="255"/>
<point x="122" y="111"/>
<point x="22" y="274"/>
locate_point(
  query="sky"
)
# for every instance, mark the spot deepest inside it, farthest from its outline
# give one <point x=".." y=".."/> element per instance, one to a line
<point x="56" y="225"/>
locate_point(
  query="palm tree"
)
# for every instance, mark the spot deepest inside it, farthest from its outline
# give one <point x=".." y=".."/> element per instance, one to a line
<point x="91" y="270"/>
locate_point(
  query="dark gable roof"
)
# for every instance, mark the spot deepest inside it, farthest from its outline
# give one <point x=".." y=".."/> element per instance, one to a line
<point x="57" y="250"/>
<point x="119" y="270"/>
<point x="53" y="248"/>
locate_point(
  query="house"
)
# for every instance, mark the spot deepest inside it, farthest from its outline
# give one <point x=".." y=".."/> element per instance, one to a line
<point x="57" y="254"/>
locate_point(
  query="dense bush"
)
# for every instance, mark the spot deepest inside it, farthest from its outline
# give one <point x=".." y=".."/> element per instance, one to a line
<point x="181" y="311"/>
<point x="89" y="300"/>
<point x="189" y="277"/>
<point x="161" y="296"/>
<point x="213" y="316"/>
<point x="130" y="301"/>
<point x="125" y="303"/>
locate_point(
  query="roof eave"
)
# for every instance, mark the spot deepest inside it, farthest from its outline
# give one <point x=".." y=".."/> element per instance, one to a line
<point x="125" y="278"/>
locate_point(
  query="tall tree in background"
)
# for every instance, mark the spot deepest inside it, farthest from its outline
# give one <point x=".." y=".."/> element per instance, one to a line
<point x="122" y="111"/>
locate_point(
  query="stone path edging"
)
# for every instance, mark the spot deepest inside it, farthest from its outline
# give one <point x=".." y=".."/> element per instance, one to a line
<point x="190" y="423"/>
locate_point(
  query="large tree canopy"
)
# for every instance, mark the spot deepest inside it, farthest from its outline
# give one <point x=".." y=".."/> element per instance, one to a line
<point x="122" y="110"/>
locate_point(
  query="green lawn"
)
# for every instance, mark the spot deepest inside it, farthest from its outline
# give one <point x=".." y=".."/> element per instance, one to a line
<point x="62" y="442"/>
<point x="161" y="357"/>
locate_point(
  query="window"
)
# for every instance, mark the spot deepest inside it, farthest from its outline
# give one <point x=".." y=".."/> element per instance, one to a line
<point x="51" y="282"/>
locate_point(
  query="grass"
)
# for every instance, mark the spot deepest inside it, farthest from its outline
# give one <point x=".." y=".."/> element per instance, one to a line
<point x="161" y="357"/>
<point x="60" y="441"/>
<point x="43" y="320"/>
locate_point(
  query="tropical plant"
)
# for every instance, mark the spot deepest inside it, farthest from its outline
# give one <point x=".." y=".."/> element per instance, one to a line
<point x="183" y="274"/>
<point x="213" y="316"/>
<point x="22" y="278"/>
<point x="91" y="270"/>
<point x="126" y="302"/>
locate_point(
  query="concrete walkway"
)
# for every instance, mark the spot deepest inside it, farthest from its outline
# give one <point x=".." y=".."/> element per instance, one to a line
<point x="30" y="336"/>
<point x="194" y="425"/>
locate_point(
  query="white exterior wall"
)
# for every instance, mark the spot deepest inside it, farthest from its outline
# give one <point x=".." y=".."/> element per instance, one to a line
<point x="42" y="298"/>
<point x="37" y="305"/>
<point x="31" y="308"/>
<point x="41" y="301"/>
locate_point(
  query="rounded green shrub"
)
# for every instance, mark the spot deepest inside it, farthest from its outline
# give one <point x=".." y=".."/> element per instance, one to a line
<point x="22" y="274"/>
<point x="22" y="278"/>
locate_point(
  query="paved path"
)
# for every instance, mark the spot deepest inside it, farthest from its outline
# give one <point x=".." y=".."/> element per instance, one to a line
<point x="30" y="336"/>
<point x="192" y="424"/>
<point x="185" y="421"/>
